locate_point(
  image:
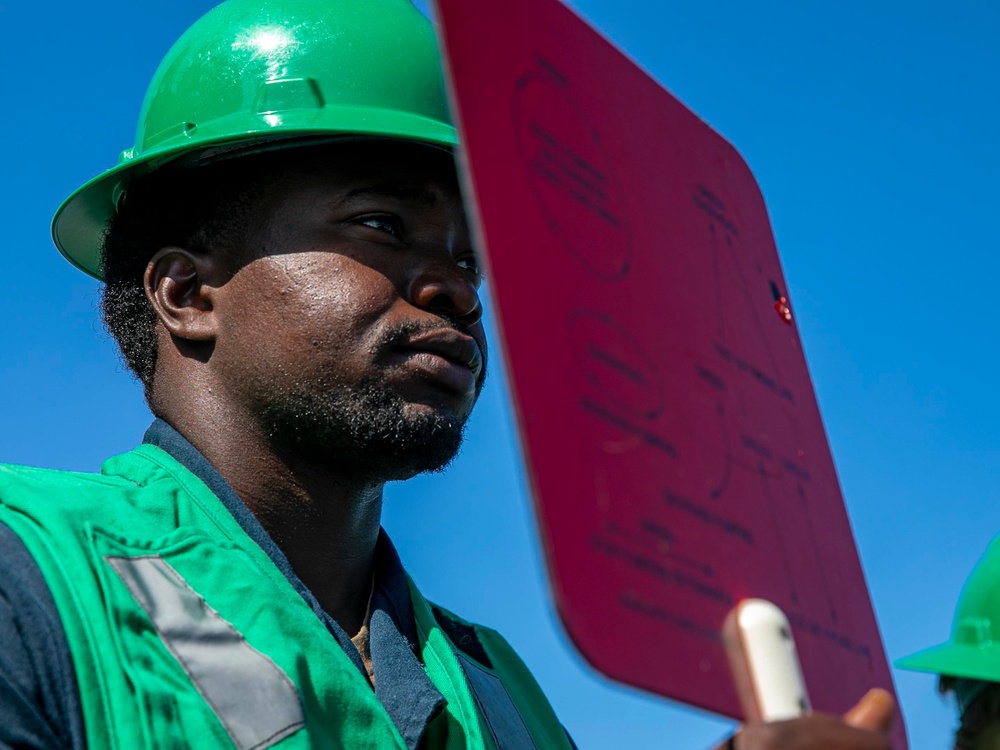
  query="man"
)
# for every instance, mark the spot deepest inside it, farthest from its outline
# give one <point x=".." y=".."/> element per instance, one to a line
<point x="968" y="665"/>
<point x="289" y="274"/>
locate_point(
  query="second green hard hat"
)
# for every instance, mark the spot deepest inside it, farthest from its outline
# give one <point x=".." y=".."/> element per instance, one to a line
<point x="272" y="72"/>
<point x="974" y="649"/>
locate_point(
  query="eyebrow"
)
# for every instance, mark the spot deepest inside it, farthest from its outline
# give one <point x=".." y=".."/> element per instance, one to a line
<point x="420" y="196"/>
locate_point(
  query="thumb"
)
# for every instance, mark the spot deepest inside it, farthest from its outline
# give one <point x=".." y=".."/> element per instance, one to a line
<point x="875" y="712"/>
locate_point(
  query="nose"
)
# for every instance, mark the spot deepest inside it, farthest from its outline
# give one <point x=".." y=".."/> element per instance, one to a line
<point x="446" y="289"/>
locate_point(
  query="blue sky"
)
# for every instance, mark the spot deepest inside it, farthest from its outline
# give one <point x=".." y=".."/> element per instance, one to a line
<point x="871" y="128"/>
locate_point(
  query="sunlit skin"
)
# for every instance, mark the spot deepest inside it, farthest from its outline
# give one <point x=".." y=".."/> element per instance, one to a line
<point x="349" y="251"/>
<point x="361" y="271"/>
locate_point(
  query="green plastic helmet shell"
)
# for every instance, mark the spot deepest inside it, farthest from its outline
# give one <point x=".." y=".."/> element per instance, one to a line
<point x="272" y="73"/>
<point x="974" y="649"/>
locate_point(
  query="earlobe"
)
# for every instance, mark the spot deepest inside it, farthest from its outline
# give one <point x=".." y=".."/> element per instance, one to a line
<point x="176" y="283"/>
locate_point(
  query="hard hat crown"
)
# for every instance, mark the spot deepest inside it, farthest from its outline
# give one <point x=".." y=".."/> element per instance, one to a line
<point x="973" y="652"/>
<point x="273" y="71"/>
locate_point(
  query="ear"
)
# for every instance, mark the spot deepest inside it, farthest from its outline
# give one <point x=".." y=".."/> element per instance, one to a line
<point x="177" y="286"/>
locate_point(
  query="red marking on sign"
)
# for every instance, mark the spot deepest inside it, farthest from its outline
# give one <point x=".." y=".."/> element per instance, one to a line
<point x="673" y="441"/>
<point x="783" y="310"/>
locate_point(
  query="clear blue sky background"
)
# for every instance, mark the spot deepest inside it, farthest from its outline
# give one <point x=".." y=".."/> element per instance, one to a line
<point x="871" y="127"/>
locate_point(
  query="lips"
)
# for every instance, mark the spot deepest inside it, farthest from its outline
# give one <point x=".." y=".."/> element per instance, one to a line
<point x="448" y="344"/>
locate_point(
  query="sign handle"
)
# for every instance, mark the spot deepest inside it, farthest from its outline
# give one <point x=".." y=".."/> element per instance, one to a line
<point x="764" y="662"/>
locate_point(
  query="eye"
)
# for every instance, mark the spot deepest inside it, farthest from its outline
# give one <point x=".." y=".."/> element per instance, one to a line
<point x="471" y="264"/>
<point x="382" y="223"/>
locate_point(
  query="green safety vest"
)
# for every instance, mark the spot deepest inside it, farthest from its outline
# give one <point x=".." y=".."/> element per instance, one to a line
<point x="185" y="634"/>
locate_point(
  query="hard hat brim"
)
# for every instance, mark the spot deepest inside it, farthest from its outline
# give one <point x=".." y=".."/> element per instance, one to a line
<point x="79" y="224"/>
<point x="956" y="660"/>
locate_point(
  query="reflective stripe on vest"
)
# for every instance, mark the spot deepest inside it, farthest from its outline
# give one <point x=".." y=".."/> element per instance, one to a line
<point x="253" y="698"/>
<point x="502" y="716"/>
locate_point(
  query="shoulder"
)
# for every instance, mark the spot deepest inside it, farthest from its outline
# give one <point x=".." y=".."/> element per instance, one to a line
<point x="16" y="481"/>
<point x="56" y="496"/>
<point x="464" y="635"/>
<point x="486" y="648"/>
<point x="479" y="642"/>
<point x="15" y="474"/>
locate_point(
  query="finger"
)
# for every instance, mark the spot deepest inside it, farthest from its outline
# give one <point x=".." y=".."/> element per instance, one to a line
<point x="876" y="712"/>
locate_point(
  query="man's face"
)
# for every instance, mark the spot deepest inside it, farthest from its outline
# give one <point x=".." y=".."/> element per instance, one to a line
<point x="353" y="333"/>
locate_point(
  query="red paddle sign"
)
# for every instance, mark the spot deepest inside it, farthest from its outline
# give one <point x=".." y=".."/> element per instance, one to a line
<point x="673" y="440"/>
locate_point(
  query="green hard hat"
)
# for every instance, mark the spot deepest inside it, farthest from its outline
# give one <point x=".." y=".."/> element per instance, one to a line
<point x="255" y="74"/>
<point x="974" y="649"/>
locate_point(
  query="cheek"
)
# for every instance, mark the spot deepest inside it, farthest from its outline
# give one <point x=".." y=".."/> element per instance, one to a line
<point x="289" y="306"/>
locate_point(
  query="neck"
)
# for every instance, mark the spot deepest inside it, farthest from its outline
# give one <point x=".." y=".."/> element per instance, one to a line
<point x="325" y="522"/>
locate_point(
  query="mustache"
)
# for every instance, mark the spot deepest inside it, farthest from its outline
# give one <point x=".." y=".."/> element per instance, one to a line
<point x="400" y="333"/>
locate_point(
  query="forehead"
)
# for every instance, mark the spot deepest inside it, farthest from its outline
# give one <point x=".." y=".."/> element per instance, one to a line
<point x="411" y="170"/>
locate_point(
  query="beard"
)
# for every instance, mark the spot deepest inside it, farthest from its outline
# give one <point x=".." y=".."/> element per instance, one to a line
<point x="364" y="432"/>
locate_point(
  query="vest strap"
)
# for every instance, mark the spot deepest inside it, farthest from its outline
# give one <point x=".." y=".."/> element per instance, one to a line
<point x="502" y="716"/>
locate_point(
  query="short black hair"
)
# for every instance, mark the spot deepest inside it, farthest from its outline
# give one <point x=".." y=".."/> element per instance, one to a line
<point x="206" y="210"/>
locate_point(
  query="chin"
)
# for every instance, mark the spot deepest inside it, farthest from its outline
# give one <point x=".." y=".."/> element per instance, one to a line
<point x="429" y="443"/>
<point x="434" y="411"/>
<point x="372" y="436"/>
